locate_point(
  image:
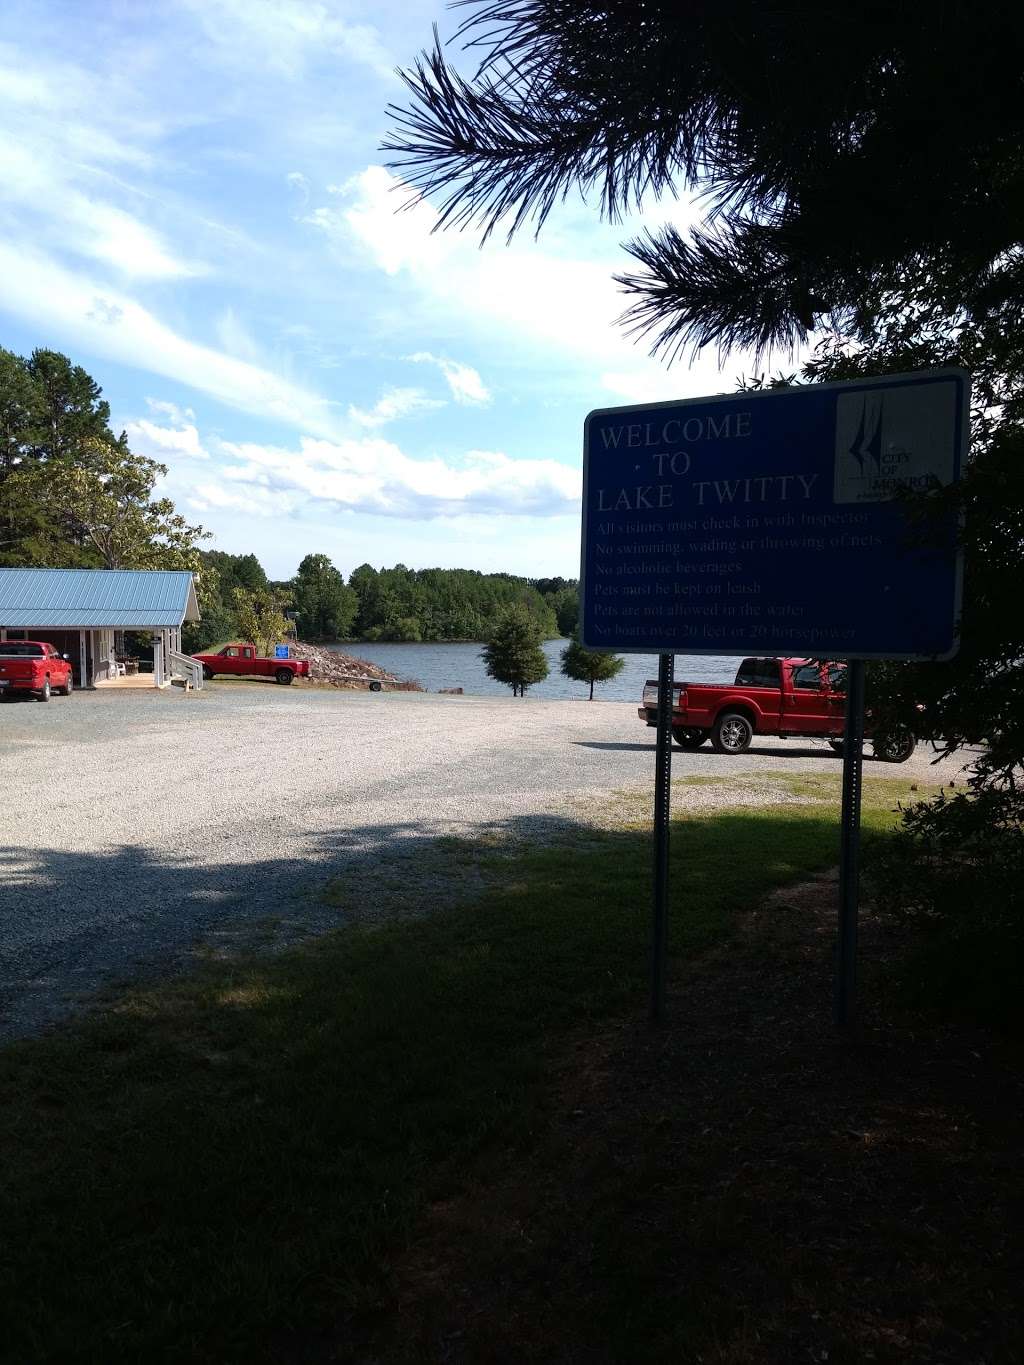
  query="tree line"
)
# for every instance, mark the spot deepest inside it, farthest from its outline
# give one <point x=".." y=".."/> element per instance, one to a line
<point x="400" y="604"/>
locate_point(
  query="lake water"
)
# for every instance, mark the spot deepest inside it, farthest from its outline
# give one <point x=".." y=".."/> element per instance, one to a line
<point x="460" y="665"/>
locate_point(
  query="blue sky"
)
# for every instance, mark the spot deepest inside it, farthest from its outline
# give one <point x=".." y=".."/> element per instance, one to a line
<point x="193" y="207"/>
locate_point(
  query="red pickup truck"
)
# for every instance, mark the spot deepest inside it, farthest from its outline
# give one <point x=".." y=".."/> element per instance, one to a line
<point x="242" y="661"/>
<point x="781" y="697"/>
<point x="33" y="666"/>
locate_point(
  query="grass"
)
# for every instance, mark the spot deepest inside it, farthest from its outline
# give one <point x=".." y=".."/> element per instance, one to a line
<point x="218" y="1168"/>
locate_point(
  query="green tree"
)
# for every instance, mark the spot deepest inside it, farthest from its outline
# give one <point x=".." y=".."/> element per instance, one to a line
<point x="441" y="604"/>
<point x="261" y="618"/>
<point x="72" y="410"/>
<point x="565" y="603"/>
<point x="218" y="576"/>
<point x="513" y="654"/>
<point x="590" y="665"/>
<point x="326" y="606"/>
<point x="219" y="622"/>
<point x="238" y="571"/>
<point x="71" y="493"/>
<point x="104" y="506"/>
<point x="21" y="412"/>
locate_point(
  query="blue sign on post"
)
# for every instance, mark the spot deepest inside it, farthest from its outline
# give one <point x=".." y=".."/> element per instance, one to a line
<point x="280" y="651"/>
<point x="770" y="522"/>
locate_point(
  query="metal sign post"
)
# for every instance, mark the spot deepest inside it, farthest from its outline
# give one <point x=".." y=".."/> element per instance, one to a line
<point x="845" y="999"/>
<point x="662" y="811"/>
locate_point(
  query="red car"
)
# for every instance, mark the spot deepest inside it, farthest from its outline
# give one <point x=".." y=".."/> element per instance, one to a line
<point x="242" y="660"/>
<point x="34" y="666"/>
<point x="782" y="697"/>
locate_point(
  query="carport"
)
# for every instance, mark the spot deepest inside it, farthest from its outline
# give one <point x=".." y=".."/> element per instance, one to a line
<point x="85" y="613"/>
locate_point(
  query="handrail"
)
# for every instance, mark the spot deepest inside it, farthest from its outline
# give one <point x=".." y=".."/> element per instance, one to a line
<point x="185" y="666"/>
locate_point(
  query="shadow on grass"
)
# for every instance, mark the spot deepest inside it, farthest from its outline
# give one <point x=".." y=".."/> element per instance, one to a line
<point x="234" y="1156"/>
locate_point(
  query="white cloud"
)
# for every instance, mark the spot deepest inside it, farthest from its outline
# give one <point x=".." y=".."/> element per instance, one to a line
<point x="297" y="181"/>
<point x="42" y="180"/>
<point x="659" y="386"/>
<point x="114" y="325"/>
<point x="109" y="234"/>
<point x="288" y="35"/>
<point x="465" y="383"/>
<point x="568" y="303"/>
<point x="235" y="337"/>
<point x="157" y="442"/>
<point x="393" y="404"/>
<point x="160" y="407"/>
<point x="254" y="501"/>
<point x="375" y="476"/>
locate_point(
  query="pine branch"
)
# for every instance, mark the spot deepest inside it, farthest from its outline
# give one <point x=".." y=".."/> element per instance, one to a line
<point x="816" y="136"/>
<point x="731" y="285"/>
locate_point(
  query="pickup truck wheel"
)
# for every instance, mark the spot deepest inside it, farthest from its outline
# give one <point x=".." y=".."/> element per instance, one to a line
<point x="689" y="739"/>
<point x="732" y="733"/>
<point x="284" y="675"/>
<point x="68" y="687"/>
<point x="44" y="691"/>
<point x="208" y="673"/>
<point x="894" y="748"/>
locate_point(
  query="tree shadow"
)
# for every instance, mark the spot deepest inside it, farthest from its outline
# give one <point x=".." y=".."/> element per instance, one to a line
<point x="253" y="1134"/>
<point x="230" y="1165"/>
<point x="75" y="923"/>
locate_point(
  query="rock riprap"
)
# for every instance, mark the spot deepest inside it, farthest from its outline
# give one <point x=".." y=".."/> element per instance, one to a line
<point x="329" y="668"/>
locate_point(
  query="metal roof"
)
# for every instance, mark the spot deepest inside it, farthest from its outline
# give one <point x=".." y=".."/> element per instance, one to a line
<point x="69" y="599"/>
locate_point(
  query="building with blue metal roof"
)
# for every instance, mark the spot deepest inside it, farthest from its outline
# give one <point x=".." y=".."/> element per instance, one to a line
<point x="85" y="612"/>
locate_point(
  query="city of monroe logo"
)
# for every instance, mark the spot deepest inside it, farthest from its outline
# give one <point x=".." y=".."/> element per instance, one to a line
<point x="893" y="438"/>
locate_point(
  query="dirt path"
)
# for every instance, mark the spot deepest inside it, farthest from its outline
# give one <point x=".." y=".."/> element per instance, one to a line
<point x="739" y="1187"/>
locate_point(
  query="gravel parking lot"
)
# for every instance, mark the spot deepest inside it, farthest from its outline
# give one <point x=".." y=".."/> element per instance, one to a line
<point x="139" y="824"/>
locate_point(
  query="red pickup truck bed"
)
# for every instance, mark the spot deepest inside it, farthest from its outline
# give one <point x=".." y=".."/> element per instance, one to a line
<point x="779" y="697"/>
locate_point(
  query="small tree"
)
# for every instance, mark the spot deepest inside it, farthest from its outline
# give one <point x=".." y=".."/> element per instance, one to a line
<point x="260" y="618"/>
<point x="589" y="665"/>
<point x="513" y="654"/>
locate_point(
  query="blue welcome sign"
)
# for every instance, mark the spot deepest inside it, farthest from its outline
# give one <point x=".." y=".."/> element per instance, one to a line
<point x="280" y="651"/>
<point x="772" y="522"/>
